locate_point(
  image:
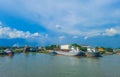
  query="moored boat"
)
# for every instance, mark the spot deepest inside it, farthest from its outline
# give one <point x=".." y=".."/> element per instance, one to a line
<point x="91" y="52"/>
<point x="1" y="52"/>
<point x="8" y="52"/>
<point x="72" y="52"/>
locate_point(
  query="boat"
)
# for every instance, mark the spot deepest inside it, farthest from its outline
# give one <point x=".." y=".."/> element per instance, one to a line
<point x="1" y="52"/>
<point x="92" y="52"/>
<point x="8" y="52"/>
<point x="72" y="52"/>
<point x="34" y="49"/>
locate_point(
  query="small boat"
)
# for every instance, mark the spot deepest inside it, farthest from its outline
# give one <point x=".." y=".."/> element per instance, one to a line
<point x="34" y="49"/>
<point x="8" y="52"/>
<point x="1" y="52"/>
<point x="91" y="52"/>
<point x="72" y="52"/>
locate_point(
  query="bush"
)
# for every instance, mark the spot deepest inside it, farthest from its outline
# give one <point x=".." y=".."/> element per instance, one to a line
<point x="18" y="50"/>
<point x="109" y="49"/>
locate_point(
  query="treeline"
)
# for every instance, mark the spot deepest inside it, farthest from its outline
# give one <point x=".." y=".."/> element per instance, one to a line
<point x="55" y="47"/>
<point x="52" y="47"/>
<point x="83" y="48"/>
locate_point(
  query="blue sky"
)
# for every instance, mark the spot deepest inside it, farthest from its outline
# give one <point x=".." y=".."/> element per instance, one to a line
<point x="45" y="22"/>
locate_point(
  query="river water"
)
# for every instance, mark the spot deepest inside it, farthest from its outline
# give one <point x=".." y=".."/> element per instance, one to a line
<point x="45" y="65"/>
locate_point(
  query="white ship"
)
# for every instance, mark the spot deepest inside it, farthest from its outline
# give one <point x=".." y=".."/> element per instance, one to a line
<point x="72" y="52"/>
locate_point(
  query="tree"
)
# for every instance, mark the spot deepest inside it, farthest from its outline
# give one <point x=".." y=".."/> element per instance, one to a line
<point x="76" y="45"/>
<point x="83" y="49"/>
<point x="109" y="49"/>
<point x="80" y="47"/>
<point x="52" y="47"/>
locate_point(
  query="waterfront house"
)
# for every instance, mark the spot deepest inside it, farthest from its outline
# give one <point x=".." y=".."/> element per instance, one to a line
<point x="117" y="51"/>
<point x="65" y="47"/>
<point x="101" y="50"/>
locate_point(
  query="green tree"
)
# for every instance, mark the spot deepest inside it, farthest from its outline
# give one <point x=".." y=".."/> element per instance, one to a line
<point x="52" y="47"/>
<point x="83" y="49"/>
<point x="76" y="45"/>
<point x="109" y="49"/>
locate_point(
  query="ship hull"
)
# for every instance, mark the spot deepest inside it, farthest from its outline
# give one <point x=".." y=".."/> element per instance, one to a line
<point x="69" y="53"/>
<point x="93" y="54"/>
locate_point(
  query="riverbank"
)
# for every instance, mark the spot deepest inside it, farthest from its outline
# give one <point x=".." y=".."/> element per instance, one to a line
<point x="49" y="52"/>
<point x="66" y="48"/>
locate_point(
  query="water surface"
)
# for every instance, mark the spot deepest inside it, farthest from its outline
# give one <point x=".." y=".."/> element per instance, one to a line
<point x="44" y="65"/>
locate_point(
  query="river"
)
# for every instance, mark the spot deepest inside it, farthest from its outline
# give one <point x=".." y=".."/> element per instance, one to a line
<point x="45" y="65"/>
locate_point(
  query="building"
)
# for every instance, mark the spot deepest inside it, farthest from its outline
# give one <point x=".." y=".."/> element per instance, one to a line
<point x="116" y="50"/>
<point x="65" y="47"/>
<point x="100" y="49"/>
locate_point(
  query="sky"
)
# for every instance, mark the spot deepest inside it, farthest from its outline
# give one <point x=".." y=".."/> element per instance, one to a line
<point x="46" y="22"/>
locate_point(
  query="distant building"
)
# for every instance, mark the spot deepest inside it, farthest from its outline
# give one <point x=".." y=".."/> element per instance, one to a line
<point x="100" y="49"/>
<point x="116" y="50"/>
<point x="64" y="47"/>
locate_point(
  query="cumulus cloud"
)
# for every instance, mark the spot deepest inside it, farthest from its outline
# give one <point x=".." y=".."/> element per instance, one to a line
<point x="112" y="31"/>
<point x="9" y="33"/>
<point x="36" y="34"/>
<point x="76" y="17"/>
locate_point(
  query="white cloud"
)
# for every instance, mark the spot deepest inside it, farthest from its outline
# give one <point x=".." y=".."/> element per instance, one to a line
<point x="9" y="33"/>
<point x="75" y="37"/>
<point x="112" y="31"/>
<point x="61" y="37"/>
<point x="36" y="34"/>
<point x="76" y="17"/>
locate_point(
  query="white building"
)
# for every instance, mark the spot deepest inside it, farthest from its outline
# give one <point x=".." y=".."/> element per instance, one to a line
<point x="64" y="47"/>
